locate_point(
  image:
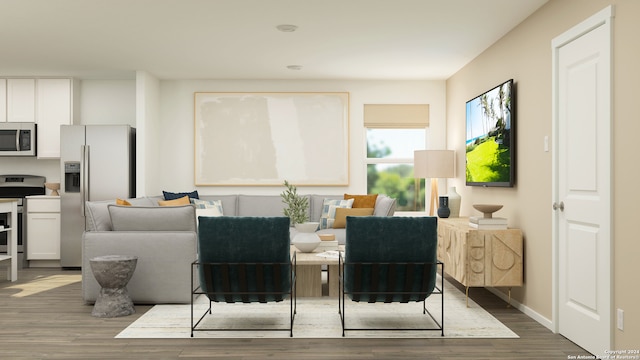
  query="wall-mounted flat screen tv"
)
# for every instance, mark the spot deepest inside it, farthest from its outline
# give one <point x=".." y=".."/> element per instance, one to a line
<point x="490" y="144"/>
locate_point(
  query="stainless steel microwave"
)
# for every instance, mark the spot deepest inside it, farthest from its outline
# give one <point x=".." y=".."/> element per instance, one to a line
<point x="17" y="139"/>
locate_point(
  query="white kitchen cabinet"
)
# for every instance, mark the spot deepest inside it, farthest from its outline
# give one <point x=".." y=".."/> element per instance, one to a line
<point x="43" y="230"/>
<point x="53" y="109"/>
<point x="3" y="100"/>
<point x="21" y="100"/>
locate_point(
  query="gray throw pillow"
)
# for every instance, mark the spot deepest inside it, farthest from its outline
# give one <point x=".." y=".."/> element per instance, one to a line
<point x="161" y="218"/>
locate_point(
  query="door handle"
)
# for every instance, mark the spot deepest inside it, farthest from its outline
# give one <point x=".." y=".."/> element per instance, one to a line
<point x="557" y="206"/>
<point x="84" y="191"/>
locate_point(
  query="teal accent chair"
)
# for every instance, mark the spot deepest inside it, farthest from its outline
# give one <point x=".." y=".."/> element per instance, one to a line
<point x="390" y="260"/>
<point x="246" y="260"/>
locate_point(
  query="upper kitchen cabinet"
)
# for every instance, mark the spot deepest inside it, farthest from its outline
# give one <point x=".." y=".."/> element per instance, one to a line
<point x="54" y="108"/>
<point x="48" y="102"/>
<point x="3" y="100"/>
<point x="21" y="98"/>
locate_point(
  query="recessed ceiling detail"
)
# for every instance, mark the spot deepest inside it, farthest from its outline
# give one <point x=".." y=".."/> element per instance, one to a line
<point x="287" y="28"/>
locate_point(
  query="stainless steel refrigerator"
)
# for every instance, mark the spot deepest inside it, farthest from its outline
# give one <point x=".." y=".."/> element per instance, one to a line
<point x="97" y="163"/>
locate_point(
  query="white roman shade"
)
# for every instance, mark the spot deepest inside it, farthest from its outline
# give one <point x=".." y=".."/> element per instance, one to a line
<point x="385" y="116"/>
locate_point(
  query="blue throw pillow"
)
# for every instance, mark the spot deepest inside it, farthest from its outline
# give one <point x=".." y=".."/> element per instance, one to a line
<point x="208" y="207"/>
<point x="173" y="196"/>
<point x="329" y="211"/>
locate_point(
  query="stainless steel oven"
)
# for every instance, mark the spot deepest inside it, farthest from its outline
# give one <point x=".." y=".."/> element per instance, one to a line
<point x="18" y="187"/>
<point x="17" y="139"/>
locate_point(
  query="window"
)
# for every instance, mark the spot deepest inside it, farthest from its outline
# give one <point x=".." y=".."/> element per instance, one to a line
<point x="394" y="131"/>
<point x="390" y="165"/>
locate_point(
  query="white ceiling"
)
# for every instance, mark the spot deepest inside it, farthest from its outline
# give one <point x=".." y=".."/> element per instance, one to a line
<point x="237" y="39"/>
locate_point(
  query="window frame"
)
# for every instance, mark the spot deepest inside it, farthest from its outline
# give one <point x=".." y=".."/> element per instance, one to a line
<point x="397" y="161"/>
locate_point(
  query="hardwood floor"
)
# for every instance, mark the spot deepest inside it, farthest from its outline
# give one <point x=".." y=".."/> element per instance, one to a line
<point x="43" y="317"/>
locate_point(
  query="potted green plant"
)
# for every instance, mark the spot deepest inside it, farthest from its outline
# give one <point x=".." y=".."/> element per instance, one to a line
<point x="298" y="206"/>
<point x="305" y="240"/>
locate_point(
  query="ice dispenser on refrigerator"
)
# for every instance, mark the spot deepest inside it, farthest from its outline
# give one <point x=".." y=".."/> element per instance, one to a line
<point x="72" y="177"/>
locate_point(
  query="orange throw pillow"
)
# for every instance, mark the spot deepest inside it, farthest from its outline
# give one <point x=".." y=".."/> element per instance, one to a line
<point x="177" y="202"/>
<point x="342" y="213"/>
<point x="362" y="201"/>
<point x="122" y="202"/>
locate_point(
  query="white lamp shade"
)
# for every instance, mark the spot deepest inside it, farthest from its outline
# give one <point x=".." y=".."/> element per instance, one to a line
<point x="430" y="164"/>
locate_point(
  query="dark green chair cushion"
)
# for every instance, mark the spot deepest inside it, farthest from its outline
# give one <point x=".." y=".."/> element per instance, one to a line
<point x="390" y="259"/>
<point x="244" y="259"/>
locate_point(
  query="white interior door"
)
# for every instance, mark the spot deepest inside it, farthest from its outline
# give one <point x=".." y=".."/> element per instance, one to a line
<point x="582" y="183"/>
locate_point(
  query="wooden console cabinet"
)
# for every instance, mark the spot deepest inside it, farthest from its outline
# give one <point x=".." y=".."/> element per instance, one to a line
<point x="480" y="257"/>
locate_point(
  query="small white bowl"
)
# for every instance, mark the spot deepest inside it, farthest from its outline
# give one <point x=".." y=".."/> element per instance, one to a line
<point x="307" y="227"/>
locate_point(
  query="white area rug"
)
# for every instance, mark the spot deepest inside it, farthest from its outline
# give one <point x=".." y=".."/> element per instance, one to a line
<point x="319" y="318"/>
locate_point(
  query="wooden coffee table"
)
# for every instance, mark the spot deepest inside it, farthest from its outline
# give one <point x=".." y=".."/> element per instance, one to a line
<point x="309" y="273"/>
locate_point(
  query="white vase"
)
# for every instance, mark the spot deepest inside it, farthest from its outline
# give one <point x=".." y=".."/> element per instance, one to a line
<point x="454" y="202"/>
<point x="306" y="240"/>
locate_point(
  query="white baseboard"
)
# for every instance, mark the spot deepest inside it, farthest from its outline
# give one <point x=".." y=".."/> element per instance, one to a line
<point x="44" y="263"/>
<point x="524" y="309"/>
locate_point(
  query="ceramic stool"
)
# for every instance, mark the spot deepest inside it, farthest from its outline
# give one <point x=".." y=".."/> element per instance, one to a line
<point x="113" y="272"/>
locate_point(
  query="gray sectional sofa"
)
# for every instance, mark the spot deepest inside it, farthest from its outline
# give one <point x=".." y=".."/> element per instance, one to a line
<point x="165" y="239"/>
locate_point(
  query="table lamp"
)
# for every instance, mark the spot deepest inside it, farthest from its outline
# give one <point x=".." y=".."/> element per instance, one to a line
<point x="433" y="164"/>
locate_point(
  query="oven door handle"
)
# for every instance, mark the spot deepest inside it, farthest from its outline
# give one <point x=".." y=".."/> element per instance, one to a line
<point x="18" y="140"/>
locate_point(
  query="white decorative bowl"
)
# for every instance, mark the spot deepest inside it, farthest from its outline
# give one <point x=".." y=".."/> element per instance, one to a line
<point x="306" y="242"/>
<point x="307" y="227"/>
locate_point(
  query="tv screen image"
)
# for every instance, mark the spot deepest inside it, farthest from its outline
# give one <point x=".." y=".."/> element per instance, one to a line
<point x="490" y="150"/>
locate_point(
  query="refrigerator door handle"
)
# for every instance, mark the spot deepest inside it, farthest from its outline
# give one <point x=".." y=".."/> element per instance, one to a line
<point x="84" y="177"/>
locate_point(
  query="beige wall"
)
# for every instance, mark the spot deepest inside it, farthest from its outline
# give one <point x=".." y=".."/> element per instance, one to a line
<point x="626" y="194"/>
<point x="176" y="121"/>
<point x="524" y="54"/>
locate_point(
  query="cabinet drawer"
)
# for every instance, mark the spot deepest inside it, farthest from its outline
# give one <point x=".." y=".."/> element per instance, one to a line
<point x="35" y="205"/>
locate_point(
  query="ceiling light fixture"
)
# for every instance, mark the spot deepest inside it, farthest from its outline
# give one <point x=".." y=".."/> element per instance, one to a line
<point x="294" y="67"/>
<point x="287" y="28"/>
